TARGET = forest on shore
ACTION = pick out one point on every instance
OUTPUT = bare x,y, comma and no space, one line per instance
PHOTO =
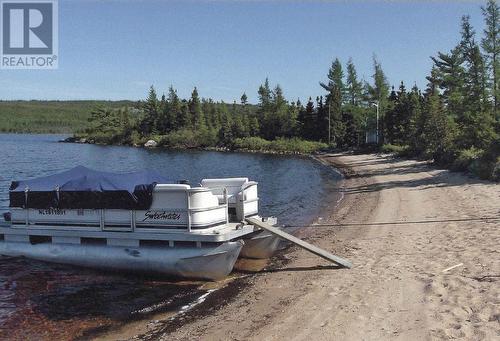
455,120
50,117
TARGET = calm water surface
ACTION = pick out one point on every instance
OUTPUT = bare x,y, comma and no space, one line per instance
46,301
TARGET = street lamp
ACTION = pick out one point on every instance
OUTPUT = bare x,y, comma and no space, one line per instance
376,105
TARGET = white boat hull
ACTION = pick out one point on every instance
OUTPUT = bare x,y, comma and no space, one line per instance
210,263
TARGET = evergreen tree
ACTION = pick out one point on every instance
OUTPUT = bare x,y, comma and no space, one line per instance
403,117
282,122
378,93
476,125
391,117
184,117
244,99
265,110
335,80
253,126
237,127
415,101
309,123
448,74
198,118
151,108
162,123
354,87
321,130
225,133
491,46
173,110
437,129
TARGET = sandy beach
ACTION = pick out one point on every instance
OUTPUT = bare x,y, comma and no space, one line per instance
424,244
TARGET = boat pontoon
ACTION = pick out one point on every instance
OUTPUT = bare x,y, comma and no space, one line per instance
135,222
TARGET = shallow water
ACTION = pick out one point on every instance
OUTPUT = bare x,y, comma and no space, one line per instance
47,301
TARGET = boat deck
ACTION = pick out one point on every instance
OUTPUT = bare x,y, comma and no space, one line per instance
226,233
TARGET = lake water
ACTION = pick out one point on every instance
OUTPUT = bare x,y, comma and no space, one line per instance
47,301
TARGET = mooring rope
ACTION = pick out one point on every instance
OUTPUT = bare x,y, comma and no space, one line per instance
447,220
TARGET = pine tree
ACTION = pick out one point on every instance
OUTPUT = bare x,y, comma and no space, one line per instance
448,74
237,127
321,126
415,101
402,123
225,133
184,117
281,123
335,80
307,120
173,110
391,117
354,87
476,125
475,77
264,111
163,123
437,130
244,99
151,108
196,111
491,46
334,101
379,93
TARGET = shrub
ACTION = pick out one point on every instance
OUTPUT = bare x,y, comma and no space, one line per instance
184,138
495,175
282,145
395,149
251,143
466,158
296,145
136,139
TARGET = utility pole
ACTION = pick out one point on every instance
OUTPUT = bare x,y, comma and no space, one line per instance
376,105
329,121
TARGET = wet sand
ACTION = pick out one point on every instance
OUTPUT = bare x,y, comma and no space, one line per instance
424,244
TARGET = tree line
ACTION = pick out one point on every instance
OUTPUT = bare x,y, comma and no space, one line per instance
453,120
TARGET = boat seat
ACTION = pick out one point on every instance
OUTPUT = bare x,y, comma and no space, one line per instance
232,185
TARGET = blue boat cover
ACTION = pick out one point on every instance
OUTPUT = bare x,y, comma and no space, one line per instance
85,188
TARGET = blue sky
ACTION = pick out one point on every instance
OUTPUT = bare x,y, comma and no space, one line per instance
116,49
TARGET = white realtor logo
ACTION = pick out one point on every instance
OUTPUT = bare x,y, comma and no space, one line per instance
29,34
35,19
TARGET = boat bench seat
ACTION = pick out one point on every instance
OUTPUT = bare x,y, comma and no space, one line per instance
233,186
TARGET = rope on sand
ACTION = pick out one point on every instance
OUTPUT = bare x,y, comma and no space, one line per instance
445,220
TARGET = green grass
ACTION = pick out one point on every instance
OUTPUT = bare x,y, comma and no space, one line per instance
49,116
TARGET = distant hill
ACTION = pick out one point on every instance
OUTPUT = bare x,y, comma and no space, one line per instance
50,116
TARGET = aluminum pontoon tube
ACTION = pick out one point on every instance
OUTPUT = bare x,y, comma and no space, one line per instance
191,262
260,245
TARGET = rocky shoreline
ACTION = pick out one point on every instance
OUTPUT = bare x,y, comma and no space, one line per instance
153,145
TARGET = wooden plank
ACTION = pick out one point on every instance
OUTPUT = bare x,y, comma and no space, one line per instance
309,247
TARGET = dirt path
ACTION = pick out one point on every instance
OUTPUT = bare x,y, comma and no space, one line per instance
403,223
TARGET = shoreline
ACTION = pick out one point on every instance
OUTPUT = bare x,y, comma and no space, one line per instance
418,274
244,278
227,290
77,140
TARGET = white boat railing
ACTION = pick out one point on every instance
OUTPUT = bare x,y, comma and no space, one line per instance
104,222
